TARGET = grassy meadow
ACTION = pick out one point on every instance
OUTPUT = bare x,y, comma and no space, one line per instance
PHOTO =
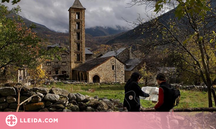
189,99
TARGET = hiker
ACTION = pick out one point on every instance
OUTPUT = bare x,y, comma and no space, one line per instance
132,93
165,103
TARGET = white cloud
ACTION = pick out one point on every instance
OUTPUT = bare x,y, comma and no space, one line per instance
54,13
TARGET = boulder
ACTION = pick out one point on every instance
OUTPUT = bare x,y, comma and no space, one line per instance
52,97
102,106
59,91
48,104
14,106
72,96
23,98
90,109
26,92
58,106
3,99
8,91
41,90
44,110
82,106
75,108
36,99
11,99
9,110
67,110
80,97
34,106
3,106
93,103
63,100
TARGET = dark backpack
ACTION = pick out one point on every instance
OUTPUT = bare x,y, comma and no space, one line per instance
174,95
130,99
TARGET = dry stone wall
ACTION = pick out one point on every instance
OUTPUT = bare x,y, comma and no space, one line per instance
54,100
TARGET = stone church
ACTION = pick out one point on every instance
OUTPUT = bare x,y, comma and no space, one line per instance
77,62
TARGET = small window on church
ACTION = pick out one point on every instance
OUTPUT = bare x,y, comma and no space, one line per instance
78,57
78,36
78,25
56,72
78,46
78,15
113,67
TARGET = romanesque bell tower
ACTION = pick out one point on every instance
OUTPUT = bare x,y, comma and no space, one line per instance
77,35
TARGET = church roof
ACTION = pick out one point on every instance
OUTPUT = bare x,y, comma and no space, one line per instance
91,64
131,64
88,52
113,53
77,4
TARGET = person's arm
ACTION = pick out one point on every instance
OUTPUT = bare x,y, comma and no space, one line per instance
140,92
160,98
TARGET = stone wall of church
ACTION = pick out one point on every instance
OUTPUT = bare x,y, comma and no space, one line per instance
110,71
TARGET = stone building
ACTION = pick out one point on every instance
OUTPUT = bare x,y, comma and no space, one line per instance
132,64
108,69
77,63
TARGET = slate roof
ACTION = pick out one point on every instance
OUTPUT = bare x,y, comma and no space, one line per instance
91,64
88,52
131,64
77,4
112,53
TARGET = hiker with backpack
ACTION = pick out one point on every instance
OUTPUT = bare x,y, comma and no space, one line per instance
132,93
167,95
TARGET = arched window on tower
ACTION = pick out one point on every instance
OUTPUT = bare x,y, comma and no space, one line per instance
78,36
78,25
78,57
78,15
78,46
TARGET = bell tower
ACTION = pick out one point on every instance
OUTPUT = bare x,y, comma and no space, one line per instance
77,35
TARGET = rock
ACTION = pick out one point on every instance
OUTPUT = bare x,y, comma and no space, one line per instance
74,102
34,106
96,97
82,106
41,90
2,100
9,110
75,108
80,97
3,106
67,110
69,106
26,92
63,100
52,97
11,99
14,106
8,91
90,109
110,105
58,106
36,99
44,110
52,109
93,103
102,106
106,100
72,96
48,104
59,91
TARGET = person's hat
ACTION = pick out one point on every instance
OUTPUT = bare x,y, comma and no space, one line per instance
161,77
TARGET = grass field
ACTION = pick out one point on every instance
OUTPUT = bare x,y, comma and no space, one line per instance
189,99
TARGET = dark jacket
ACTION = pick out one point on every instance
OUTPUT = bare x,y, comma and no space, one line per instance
132,93
167,98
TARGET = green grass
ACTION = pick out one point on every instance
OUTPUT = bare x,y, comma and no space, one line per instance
189,99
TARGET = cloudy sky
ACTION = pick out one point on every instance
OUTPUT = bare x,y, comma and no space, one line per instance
54,13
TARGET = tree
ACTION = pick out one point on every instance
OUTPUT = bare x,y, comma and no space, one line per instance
193,38
12,1
194,7
19,45
38,75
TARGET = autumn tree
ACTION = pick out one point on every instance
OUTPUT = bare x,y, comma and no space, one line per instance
19,45
191,36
